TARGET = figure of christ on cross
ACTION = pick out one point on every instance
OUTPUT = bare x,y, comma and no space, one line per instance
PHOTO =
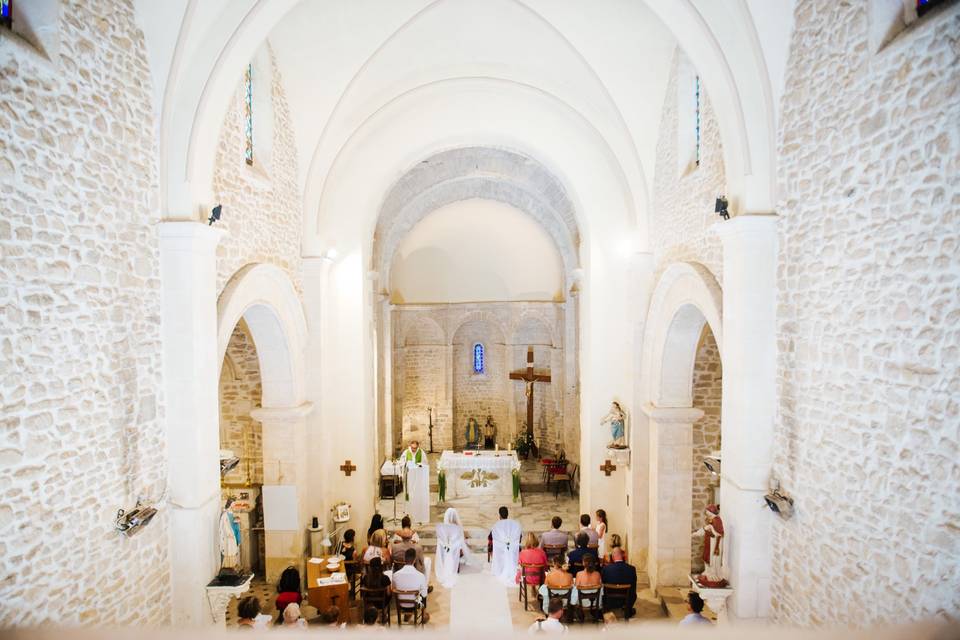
529,376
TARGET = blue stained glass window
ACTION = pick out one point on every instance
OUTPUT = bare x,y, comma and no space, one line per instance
478,363
6,18
697,111
925,5
248,113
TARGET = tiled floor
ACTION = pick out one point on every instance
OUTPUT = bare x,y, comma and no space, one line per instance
534,514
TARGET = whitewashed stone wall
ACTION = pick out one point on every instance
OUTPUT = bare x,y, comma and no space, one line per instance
683,204
80,358
261,205
707,396
869,363
433,367
240,393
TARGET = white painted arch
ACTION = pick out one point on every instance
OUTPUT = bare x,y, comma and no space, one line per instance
264,296
686,297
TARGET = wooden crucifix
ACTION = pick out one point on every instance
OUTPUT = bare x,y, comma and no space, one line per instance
348,467
529,376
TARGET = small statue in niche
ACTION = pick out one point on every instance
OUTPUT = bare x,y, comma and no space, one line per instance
489,434
473,433
618,420
712,532
229,537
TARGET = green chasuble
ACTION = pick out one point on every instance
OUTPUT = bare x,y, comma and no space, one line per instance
410,456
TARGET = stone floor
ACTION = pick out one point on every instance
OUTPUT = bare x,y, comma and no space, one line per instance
534,513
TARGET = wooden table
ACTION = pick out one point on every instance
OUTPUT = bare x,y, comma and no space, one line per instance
324,596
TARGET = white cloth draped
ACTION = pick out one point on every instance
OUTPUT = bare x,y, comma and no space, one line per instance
506,550
450,542
418,492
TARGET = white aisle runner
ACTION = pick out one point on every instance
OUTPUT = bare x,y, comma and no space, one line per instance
479,602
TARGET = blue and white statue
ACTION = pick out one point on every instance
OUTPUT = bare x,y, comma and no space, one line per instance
617,419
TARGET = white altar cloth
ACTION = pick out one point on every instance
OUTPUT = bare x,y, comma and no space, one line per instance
479,475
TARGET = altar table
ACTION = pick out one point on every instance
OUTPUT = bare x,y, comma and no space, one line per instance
479,476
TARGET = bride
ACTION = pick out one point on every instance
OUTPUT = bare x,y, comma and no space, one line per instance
450,546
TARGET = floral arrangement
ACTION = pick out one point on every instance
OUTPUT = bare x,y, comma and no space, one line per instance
441,485
524,444
516,484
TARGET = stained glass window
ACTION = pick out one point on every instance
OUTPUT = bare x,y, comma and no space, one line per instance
248,113
697,111
478,363
925,5
6,19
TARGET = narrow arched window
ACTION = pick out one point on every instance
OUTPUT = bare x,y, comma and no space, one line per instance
478,358
6,18
248,113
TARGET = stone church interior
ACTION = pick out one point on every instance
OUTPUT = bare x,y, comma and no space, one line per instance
481,316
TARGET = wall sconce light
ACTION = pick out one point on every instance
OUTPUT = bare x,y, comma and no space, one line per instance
781,504
228,462
132,522
712,463
214,214
720,207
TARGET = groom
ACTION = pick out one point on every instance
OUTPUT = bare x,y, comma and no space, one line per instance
413,453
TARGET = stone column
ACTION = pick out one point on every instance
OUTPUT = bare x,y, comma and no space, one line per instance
284,485
318,442
188,275
671,492
749,406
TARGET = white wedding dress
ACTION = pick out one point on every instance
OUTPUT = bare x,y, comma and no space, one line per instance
450,542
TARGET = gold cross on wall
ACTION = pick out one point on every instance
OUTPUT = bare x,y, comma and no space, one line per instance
348,467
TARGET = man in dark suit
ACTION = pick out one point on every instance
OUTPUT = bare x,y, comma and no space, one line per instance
619,572
575,557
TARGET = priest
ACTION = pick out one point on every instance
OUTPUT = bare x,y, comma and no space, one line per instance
412,453
416,470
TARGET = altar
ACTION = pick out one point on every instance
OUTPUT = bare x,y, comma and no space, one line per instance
480,476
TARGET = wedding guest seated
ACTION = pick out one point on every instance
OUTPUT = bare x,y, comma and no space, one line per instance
410,579
374,578
576,557
331,618
377,548
615,543
376,524
288,590
557,578
531,554
589,578
398,550
291,617
619,572
552,623
248,610
590,531
695,605
406,531
555,536
347,549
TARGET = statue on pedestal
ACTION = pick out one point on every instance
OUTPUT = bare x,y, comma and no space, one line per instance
472,434
618,420
489,433
712,532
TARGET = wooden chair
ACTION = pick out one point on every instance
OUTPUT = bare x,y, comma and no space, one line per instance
397,565
592,596
545,464
574,568
527,571
615,597
354,572
564,596
564,477
379,599
409,602
553,550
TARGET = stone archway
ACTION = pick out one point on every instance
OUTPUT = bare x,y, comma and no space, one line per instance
686,299
263,296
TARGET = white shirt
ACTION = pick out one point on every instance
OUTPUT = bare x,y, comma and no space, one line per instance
409,579
550,625
693,619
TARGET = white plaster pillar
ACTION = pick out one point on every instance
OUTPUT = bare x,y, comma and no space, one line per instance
671,493
285,465
749,406
638,495
318,443
188,276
